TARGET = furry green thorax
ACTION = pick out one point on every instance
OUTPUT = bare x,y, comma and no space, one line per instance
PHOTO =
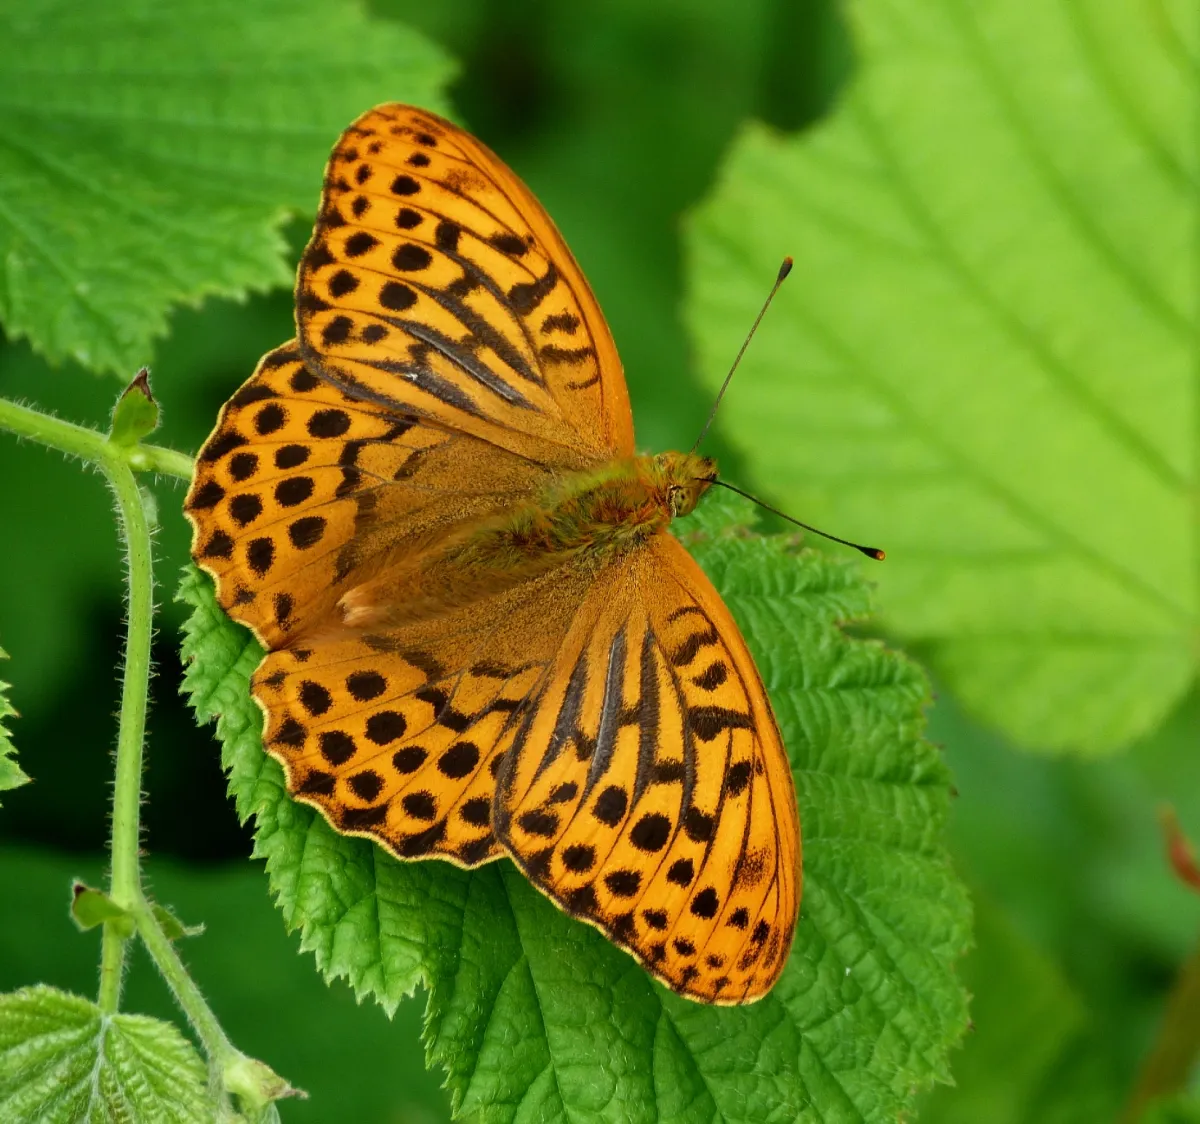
598,512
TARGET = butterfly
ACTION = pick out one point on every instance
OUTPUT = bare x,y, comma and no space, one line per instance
481,639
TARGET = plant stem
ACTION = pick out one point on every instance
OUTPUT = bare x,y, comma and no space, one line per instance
216,1044
231,1071
125,888
1176,1048
91,445
154,458
117,464
112,968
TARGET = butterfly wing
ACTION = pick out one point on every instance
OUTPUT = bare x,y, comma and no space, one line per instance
435,281
399,734
647,790
304,494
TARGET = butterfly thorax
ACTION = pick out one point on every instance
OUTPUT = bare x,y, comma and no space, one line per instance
595,513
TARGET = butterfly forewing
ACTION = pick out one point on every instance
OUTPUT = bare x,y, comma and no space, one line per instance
648,791
435,279
303,494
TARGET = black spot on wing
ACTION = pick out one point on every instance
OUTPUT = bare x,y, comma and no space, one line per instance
686,652
221,445
707,722
570,356
527,295
207,496
508,243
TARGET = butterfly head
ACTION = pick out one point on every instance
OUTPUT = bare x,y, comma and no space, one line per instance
682,479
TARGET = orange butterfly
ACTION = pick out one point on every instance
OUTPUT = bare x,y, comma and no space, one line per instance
481,638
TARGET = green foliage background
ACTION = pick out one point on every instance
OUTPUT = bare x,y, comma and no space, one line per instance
619,115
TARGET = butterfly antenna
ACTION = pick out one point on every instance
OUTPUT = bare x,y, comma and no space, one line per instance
869,551
784,270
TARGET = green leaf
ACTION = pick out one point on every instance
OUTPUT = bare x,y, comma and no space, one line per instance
11,774
90,907
150,153
535,1016
63,1061
1024,1014
1175,1110
985,357
136,413
361,1066
172,927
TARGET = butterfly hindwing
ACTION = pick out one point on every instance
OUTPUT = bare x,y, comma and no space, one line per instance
435,279
648,791
399,734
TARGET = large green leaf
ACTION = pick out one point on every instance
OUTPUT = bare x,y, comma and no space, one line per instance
150,152
63,1061
985,358
1023,1013
535,1017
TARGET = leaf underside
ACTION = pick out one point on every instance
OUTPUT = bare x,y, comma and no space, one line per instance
985,356
62,1061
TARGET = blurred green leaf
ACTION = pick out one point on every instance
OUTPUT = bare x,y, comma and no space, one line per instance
63,1061
1068,854
136,413
530,1011
1023,1013
11,774
985,357
1073,850
155,163
1177,1110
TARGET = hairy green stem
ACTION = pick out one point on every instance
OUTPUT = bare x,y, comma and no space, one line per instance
91,445
125,887
216,1044
231,1071
112,968
117,464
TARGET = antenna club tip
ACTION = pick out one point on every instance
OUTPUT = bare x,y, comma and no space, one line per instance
875,552
784,269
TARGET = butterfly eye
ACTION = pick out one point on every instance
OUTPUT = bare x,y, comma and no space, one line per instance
674,498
